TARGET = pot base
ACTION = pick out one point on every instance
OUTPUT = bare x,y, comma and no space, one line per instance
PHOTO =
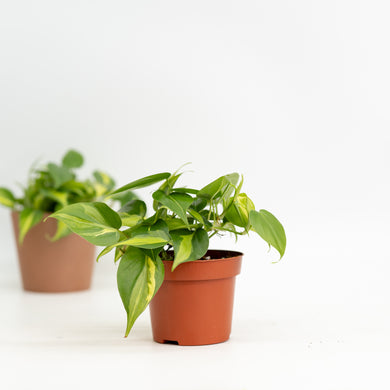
65,265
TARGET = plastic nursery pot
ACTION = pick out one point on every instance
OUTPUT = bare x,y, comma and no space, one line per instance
194,305
61,266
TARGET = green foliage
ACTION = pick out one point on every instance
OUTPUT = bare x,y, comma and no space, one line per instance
189,245
96,222
139,277
54,186
7,197
72,159
27,219
269,229
179,229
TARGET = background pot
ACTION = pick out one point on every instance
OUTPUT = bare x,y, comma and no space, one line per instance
60,266
194,305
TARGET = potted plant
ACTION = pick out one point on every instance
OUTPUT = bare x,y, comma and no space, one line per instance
50,258
165,258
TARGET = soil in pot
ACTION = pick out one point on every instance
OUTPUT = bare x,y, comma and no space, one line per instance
194,305
61,266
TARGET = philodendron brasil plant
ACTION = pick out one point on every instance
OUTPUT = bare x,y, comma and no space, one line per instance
183,221
54,186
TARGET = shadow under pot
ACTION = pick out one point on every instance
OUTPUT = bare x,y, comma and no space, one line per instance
61,266
194,305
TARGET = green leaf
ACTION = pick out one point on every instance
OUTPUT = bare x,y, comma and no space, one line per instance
76,187
27,219
220,187
72,159
104,183
58,196
189,246
144,182
124,197
175,224
104,179
198,204
269,229
94,221
139,277
239,209
200,218
143,236
62,231
137,207
176,202
167,186
129,220
150,240
7,198
185,190
60,175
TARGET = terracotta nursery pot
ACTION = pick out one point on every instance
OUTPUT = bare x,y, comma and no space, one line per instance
194,305
61,266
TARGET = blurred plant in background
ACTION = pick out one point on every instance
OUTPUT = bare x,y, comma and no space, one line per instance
53,186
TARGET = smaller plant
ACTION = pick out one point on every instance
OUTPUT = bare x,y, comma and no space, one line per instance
55,186
179,229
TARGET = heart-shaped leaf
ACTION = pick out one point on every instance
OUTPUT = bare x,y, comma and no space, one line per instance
239,209
189,246
72,159
139,277
269,229
94,221
220,188
176,202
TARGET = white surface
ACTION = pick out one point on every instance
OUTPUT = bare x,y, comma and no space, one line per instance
294,95
75,341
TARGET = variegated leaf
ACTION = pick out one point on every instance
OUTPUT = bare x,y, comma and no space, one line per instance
189,246
95,222
139,277
6,197
27,219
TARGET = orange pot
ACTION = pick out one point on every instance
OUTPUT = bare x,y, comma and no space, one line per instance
194,305
61,266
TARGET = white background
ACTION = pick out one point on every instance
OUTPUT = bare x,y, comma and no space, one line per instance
292,94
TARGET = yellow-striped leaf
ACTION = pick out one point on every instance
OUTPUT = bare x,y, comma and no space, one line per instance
62,231
189,246
239,209
139,277
95,222
27,219
104,183
6,197
150,240
58,196
129,220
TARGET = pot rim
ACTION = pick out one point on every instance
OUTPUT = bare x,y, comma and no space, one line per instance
232,255
212,269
